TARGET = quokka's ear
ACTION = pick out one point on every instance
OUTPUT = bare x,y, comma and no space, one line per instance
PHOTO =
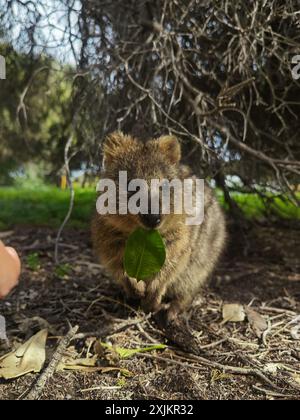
170,148
115,145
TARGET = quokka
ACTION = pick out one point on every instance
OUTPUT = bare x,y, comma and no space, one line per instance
192,251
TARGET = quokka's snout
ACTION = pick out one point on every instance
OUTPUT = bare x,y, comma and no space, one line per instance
151,221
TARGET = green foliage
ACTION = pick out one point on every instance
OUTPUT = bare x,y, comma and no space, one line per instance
34,126
255,207
32,176
46,206
33,261
122,382
63,270
145,254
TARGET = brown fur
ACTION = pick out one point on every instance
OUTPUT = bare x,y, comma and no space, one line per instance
192,251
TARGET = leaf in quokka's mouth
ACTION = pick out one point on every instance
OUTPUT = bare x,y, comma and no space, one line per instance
145,254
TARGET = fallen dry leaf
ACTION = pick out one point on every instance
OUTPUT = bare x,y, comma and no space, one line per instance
68,363
29,357
257,322
87,365
233,313
296,378
35,322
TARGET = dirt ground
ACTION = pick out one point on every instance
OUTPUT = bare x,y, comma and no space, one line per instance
205,358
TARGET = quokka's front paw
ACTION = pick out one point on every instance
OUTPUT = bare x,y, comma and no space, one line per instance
153,305
173,311
168,315
134,289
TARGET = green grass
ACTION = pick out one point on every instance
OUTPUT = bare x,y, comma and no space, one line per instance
47,206
254,207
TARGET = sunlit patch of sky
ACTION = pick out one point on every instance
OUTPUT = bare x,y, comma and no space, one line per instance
217,143
56,30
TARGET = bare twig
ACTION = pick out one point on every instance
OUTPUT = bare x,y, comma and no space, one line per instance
72,198
39,386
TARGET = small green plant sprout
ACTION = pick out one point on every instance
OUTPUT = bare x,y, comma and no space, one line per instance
145,254
63,270
33,261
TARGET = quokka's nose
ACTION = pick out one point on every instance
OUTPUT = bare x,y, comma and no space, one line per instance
150,220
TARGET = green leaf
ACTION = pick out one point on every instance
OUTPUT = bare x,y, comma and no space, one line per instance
145,254
126,353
